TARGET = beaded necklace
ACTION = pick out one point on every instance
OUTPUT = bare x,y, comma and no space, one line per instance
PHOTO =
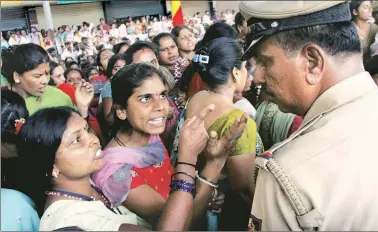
79,197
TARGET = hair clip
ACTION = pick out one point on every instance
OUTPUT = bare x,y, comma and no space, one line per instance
201,59
18,124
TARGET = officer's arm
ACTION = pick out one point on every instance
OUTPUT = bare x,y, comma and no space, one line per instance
271,209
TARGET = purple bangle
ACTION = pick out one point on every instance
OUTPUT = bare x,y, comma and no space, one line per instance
184,173
183,185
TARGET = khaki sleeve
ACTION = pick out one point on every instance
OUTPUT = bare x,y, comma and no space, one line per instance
271,209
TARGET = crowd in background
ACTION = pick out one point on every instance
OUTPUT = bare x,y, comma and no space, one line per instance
114,117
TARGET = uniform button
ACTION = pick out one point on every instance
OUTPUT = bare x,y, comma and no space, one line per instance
162,180
156,187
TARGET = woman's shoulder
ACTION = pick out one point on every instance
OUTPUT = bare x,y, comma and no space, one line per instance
87,215
20,212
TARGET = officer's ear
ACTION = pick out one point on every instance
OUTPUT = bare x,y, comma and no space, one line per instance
314,58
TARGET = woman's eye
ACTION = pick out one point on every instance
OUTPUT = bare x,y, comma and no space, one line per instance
145,99
77,140
163,96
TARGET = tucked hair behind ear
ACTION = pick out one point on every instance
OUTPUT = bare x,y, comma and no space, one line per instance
123,86
40,138
354,5
224,55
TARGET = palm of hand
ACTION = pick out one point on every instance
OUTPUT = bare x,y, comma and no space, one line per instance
84,94
219,148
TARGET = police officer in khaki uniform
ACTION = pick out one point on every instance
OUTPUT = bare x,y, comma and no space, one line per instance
324,176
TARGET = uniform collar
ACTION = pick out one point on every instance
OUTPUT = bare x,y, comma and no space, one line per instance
340,94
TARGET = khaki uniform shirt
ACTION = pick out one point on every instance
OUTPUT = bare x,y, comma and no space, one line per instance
333,165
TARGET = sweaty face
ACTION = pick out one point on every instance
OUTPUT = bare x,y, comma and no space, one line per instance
34,82
74,78
58,76
147,108
282,78
146,56
168,53
79,153
186,40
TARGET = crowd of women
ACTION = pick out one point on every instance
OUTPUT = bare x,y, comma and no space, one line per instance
149,135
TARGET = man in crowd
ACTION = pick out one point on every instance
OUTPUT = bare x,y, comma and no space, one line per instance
241,28
53,54
84,31
91,50
35,36
206,18
69,51
309,62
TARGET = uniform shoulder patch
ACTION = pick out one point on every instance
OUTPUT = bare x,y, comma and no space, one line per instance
254,224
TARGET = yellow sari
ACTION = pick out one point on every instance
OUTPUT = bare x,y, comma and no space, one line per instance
235,211
249,142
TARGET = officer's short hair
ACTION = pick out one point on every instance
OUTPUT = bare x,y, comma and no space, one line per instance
335,38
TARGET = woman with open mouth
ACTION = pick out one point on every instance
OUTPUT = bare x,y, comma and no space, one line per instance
137,172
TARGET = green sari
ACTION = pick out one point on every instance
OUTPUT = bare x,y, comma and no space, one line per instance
50,98
272,124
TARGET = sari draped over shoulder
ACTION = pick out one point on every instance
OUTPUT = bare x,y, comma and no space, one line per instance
114,179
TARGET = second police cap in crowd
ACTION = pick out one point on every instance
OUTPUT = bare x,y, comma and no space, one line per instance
266,18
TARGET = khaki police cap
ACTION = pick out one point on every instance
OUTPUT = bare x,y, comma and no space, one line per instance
266,18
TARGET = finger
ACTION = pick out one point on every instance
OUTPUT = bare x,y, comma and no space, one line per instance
213,139
217,211
79,85
90,87
189,122
237,129
219,197
201,117
217,203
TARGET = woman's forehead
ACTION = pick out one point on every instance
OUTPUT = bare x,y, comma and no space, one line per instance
152,85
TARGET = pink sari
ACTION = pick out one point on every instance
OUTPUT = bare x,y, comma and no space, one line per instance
114,179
